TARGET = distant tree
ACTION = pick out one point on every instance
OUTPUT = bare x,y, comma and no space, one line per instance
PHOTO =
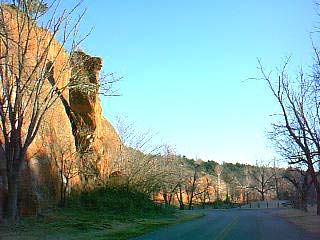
203,194
209,166
179,195
137,159
197,185
25,96
218,171
262,180
236,176
194,183
170,181
191,185
183,175
277,178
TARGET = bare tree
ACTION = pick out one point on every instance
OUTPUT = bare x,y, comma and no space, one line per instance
170,181
138,161
218,171
25,95
179,195
296,134
64,156
203,194
262,177
180,187
187,188
191,188
197,185
191,185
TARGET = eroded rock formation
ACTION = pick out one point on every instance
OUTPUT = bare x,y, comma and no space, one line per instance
73,124
93,133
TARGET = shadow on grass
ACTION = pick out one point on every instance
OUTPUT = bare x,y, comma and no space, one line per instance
102,214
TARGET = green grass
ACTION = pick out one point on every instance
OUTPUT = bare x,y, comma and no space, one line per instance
75,224
105,213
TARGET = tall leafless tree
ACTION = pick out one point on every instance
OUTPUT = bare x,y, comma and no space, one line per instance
296,133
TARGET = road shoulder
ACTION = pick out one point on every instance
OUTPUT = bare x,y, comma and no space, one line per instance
309,221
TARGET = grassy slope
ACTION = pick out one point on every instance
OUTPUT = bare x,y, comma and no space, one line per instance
71,224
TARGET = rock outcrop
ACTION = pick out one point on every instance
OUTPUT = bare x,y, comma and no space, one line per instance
94,134
74,123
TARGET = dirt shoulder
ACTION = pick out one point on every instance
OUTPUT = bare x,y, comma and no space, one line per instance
309,221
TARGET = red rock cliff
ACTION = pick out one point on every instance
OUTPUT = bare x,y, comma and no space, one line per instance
39,174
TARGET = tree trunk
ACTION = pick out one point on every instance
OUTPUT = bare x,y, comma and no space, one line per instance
180,199
164,195
12,202
262,196
61,189
192,189
304,194
63,193
316,184
14,161
171,194
204,200
190,203
318,202
277,188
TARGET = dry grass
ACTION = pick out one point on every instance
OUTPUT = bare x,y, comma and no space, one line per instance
306,220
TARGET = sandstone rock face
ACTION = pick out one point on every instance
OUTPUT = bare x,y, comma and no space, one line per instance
39,178
83,97
94,132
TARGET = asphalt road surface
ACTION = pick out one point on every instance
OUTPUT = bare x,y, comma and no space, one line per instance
235,224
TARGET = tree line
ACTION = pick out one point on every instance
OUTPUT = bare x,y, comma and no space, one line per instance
173,179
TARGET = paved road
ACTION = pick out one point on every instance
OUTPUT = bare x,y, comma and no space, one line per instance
235,224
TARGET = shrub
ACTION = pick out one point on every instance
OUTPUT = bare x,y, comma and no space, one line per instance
115,200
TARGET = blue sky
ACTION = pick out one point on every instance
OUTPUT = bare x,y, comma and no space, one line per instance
186,63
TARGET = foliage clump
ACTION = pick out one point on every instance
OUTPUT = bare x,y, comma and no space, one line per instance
116,200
